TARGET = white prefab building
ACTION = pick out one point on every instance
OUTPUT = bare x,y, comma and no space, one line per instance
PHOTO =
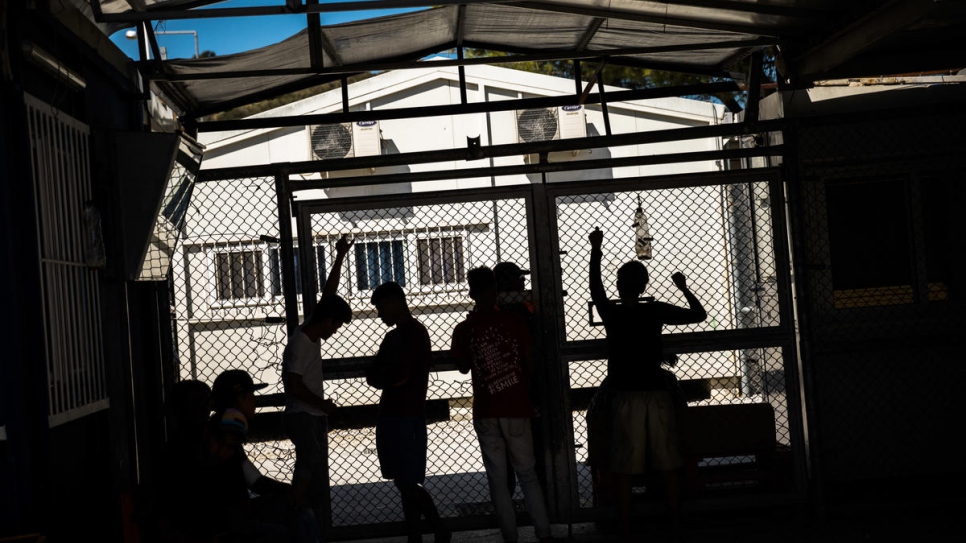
227,274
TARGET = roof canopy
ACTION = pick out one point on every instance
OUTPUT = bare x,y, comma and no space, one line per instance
817,39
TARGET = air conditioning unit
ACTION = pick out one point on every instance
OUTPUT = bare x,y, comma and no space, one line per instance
551,123
344,140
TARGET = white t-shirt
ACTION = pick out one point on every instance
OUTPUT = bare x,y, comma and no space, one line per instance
302,356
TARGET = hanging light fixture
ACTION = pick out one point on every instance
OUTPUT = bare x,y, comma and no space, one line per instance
642,235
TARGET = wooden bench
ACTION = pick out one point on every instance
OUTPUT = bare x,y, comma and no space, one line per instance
729,447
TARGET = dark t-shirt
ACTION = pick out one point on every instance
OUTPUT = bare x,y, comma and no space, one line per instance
495,345
634,347
405,354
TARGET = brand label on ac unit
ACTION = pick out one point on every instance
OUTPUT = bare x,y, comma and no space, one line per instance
571,108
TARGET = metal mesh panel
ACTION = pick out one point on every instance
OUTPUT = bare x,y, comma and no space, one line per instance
228,307
720,237
880,198
427,249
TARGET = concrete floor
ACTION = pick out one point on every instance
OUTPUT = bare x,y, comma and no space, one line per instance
909,520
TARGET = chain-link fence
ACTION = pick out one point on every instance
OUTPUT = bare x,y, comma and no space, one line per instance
722,238
880,198
427,249
230,309
228,306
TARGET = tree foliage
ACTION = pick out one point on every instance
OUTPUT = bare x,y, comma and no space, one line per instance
630,77
627,77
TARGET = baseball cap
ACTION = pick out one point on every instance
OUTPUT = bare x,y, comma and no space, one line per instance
230,384
507,272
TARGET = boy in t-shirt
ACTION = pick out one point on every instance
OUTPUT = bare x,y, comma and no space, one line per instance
306,406
495,346
401,372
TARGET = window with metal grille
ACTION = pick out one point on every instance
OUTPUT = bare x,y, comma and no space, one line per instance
275,270
70,283
869,242
238,275
378,262
440,260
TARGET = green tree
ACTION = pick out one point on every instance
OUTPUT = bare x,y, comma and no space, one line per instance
630,77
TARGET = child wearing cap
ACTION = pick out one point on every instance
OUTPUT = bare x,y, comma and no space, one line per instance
204,491
234,390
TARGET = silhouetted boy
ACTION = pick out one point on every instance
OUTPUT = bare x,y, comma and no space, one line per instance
306,406
495,346
636,403
401,371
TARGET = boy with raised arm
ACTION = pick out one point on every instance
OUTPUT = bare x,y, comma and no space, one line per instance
306,406
635,400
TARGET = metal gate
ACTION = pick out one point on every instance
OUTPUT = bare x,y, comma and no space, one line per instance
233,295
725,231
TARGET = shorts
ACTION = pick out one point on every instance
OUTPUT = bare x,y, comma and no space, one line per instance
401,445
644,433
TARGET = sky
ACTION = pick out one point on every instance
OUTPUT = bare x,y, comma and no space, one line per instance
225,36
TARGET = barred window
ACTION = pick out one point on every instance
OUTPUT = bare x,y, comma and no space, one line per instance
239,275
378,262
440,260
275,270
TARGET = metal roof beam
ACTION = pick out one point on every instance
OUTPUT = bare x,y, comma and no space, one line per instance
592,29
543,167
314,33
493,151
136,5
460,25
852,40
461,109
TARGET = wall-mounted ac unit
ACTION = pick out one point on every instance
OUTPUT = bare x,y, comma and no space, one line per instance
551,123
344,140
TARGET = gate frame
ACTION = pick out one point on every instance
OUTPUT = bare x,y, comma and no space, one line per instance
784,336
562,491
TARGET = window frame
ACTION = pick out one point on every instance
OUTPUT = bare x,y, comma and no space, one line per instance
919,290
215,267
459,261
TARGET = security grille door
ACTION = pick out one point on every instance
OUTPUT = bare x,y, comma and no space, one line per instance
721,230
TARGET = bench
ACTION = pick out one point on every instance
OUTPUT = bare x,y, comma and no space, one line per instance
730,446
